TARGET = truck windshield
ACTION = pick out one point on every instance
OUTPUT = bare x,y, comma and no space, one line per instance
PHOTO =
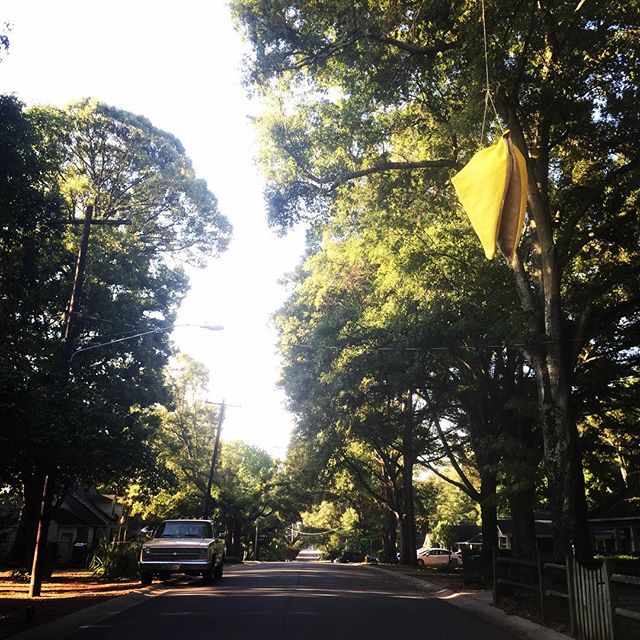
184,530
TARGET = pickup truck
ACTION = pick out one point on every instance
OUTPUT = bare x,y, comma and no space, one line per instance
182,546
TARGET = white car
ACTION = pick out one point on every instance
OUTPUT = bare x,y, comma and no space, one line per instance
182,546
428,557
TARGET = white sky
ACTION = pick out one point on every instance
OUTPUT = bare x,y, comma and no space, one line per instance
179,64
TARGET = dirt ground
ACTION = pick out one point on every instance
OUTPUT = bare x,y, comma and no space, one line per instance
64,593
453,578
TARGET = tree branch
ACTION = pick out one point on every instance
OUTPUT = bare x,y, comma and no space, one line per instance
595,193
527,297
431,51
462,487
332,185
380,499
470,489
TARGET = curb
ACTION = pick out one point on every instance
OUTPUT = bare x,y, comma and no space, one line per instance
480,606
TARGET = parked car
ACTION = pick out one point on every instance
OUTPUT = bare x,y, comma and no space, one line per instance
428,557
349,556
182,546
355,556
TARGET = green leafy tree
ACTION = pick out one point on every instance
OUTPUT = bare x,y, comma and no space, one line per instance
246,484
377,310
183,446
396,91
124,166
452,508
93,426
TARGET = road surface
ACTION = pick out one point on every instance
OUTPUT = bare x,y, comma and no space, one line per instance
293,601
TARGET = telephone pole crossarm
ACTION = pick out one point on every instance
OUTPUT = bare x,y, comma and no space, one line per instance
70,333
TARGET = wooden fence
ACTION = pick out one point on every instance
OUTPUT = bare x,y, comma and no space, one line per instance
591,593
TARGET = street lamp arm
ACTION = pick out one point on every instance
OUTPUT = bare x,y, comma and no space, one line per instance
215,327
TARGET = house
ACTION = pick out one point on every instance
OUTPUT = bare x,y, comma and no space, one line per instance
543,528
615,524
78,524
469,535
84,518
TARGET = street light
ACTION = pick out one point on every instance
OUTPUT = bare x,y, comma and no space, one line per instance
36,570
210,327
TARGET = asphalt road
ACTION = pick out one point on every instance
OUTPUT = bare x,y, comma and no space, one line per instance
293,601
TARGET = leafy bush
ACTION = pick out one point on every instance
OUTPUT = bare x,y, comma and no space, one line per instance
115,560
232,560
445,568
21,574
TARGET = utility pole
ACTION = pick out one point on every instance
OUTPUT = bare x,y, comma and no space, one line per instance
206,506
214,460
70,333
255,544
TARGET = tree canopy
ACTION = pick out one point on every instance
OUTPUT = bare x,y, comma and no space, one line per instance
92,425
371,102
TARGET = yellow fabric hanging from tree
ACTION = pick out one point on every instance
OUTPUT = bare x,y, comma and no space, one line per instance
492,188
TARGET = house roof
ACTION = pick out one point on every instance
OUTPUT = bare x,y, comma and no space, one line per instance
471,533
506,527
623,505
77,510
465,531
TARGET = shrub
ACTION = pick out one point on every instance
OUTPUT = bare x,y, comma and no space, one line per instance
115,560
21,574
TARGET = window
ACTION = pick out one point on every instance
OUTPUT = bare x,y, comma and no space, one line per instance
184,529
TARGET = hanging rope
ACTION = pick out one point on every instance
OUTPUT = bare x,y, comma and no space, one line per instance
487,88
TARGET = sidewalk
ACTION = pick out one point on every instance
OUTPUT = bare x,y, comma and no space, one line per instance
480,605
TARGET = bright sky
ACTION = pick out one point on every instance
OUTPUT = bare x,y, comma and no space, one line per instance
179,64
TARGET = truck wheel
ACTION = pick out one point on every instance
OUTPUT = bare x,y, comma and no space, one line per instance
207,576
146,578
217,571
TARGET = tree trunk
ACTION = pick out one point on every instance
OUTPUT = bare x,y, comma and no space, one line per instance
521,471
521,468
548,352
24,544
563,463
389,537
522,505
233,537
40,556
389,521
489,515
408,520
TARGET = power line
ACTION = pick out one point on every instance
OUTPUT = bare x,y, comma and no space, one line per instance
317,533
466,347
